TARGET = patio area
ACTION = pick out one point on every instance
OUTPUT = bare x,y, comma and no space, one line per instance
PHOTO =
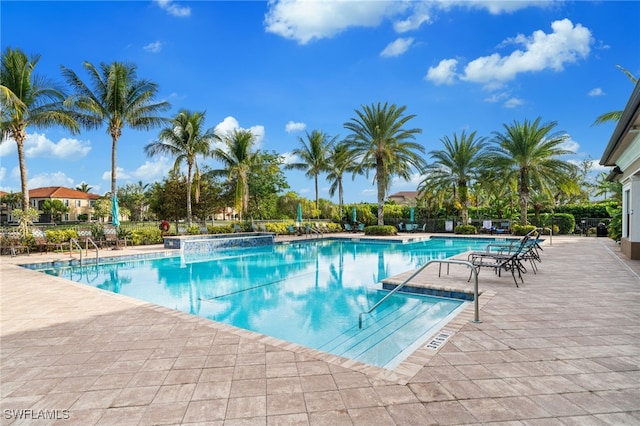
562,349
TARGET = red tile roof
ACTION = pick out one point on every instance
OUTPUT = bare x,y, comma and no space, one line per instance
61,192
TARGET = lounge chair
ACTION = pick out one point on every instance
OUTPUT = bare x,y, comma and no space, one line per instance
237,228
12,243
348,227
361,227
42,243
111,237
292,230
254,227
203,229
503,257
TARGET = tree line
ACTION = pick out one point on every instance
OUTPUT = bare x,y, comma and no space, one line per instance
521,162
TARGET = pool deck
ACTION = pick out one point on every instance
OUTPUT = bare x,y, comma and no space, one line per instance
562,349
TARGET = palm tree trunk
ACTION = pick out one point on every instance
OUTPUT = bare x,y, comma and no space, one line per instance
524,195
316,183
20,137
382,189
340,198
189,166
464,202
114,145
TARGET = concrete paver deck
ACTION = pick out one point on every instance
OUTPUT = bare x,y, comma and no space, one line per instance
563,348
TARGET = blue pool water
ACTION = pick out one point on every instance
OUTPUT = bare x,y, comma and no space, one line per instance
309,293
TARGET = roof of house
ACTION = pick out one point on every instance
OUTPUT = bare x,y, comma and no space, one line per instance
404,194
61,192
624,132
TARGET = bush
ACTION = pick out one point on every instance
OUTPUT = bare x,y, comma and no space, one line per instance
219,229
193,230
465,230
522,229
565,221
145,236
380,230
61,235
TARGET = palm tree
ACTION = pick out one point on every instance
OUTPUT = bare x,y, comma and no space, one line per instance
313,156
119,99
614,115
527,152
237,159
28,99
458,163
84,187
184,139
338,163
379,142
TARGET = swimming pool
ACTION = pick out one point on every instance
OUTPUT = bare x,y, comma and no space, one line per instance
309,293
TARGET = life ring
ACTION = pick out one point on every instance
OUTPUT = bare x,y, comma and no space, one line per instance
164,226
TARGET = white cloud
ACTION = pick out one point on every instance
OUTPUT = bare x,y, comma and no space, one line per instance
121,174
570,145
174,9
596,92
304,21
494,7
50,179
154,47
293,126
420,14
397,47
229,124
154,170
566,44
444,72
38,145
513,103
289,158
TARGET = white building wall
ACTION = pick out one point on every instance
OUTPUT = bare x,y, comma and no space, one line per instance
631,209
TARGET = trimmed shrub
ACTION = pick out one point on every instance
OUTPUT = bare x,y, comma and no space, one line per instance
565,221
219,229
145,236
193,230
522,229
381,230
555,228
465,230
60,236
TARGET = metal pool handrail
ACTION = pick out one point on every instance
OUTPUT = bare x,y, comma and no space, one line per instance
474,271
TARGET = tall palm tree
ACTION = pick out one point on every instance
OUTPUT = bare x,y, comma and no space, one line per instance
614,115
237,159
313,155
118,99
380,142
28,99
185,138
458,163
338,163
528,153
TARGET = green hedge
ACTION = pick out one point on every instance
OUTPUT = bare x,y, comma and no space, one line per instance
522,229
380,230
465,230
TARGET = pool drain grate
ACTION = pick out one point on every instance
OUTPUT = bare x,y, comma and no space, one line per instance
439,340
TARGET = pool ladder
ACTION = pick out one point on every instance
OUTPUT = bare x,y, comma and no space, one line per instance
474,271
75,242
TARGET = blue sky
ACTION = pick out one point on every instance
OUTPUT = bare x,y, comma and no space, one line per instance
284,67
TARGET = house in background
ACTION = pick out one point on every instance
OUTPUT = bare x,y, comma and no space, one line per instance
404,198
623,154
79,203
